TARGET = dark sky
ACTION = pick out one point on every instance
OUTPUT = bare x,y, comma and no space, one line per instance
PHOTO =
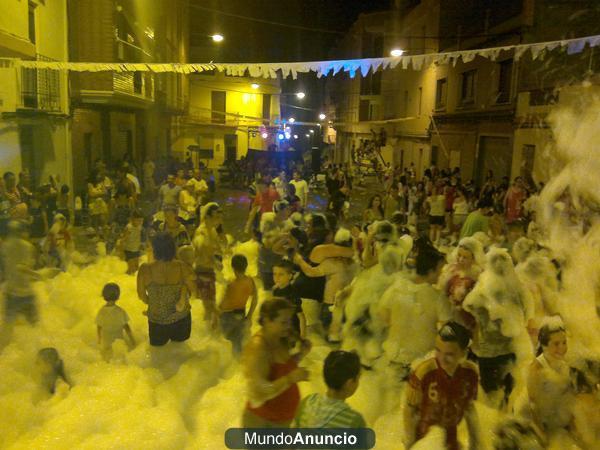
253,41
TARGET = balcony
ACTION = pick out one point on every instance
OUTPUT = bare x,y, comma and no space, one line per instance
40,90
129,89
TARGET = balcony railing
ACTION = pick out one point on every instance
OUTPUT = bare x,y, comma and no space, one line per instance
134,83
40,88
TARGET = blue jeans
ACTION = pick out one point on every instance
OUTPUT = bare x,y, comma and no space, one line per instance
233,327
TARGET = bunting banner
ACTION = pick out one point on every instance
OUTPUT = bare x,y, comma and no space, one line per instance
320,68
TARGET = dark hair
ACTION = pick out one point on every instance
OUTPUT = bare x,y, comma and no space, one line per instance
285,264
546,331
163,246
319,221
455,332
300,235
428,259
339,367
111,292
239,263
64,189
7,175
270,309
485,202
211,209
372,199
50,356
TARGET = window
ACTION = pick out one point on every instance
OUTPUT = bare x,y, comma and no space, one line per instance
440,93
32,22
467,87
364,110
266,107
137,82
218,100
504,81
371,84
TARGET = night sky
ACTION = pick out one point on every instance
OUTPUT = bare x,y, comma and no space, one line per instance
252,41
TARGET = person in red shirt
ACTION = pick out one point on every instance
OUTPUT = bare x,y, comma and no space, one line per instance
442,390
263,202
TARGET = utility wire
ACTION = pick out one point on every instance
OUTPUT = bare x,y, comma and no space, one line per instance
343,33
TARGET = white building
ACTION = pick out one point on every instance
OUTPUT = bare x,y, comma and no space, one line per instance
34,104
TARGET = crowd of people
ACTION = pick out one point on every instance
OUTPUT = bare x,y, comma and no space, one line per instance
442,286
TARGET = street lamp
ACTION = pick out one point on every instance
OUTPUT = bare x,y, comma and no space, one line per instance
300,95
217,37
255,85
396,52
307,135
322,116
311,131
292,120
265,135
295,136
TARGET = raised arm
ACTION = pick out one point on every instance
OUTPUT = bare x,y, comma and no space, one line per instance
321,252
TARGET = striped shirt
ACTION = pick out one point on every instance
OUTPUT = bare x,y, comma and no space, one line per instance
320,411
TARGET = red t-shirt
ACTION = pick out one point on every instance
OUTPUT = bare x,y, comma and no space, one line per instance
440,398
266,200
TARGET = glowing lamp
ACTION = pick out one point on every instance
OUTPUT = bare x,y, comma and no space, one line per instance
280,136
295,136
265,135
396,52
322,116
217,37
292,120
311,131
300,95
255,86
307,135
287,135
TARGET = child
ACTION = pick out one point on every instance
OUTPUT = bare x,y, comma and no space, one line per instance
283,273
233,317
50,370
58,242
131,241
341,372
111,321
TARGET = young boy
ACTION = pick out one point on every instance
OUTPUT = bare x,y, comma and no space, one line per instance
112,321
341,372
283,273
131,241
233,318
442,390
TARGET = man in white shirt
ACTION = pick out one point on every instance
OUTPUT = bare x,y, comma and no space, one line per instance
413,309
200,186
301,187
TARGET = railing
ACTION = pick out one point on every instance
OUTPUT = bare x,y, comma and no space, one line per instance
40,88
134,83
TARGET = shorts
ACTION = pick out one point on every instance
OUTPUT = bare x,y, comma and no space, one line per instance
494,373
178,331
15,305
206,283
233,327
436,220
132,255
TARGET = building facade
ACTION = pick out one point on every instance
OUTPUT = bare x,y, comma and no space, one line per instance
34,104
227,117
395,100
127,116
